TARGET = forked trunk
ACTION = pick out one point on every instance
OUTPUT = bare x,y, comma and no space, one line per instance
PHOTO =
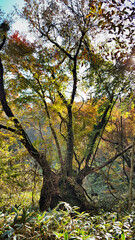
58,188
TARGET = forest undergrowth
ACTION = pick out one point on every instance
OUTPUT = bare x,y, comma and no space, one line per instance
65,222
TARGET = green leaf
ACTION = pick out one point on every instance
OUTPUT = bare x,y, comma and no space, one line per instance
66,236
122,235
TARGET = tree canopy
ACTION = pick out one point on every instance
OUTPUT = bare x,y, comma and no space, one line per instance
68,82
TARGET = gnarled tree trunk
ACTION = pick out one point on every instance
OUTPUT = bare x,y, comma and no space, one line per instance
58,188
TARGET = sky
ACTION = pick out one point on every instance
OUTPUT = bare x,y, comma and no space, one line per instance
8,7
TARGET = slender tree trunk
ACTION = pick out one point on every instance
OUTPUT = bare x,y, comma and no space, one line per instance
131,176
69,158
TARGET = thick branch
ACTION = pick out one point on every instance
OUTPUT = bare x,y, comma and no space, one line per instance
7,128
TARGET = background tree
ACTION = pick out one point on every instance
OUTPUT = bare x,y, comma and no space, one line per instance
48,74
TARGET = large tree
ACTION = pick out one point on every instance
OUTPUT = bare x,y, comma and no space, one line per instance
49,74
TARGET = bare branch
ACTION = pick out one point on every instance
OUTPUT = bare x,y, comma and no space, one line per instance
87,170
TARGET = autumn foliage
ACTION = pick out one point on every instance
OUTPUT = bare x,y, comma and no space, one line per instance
19,45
